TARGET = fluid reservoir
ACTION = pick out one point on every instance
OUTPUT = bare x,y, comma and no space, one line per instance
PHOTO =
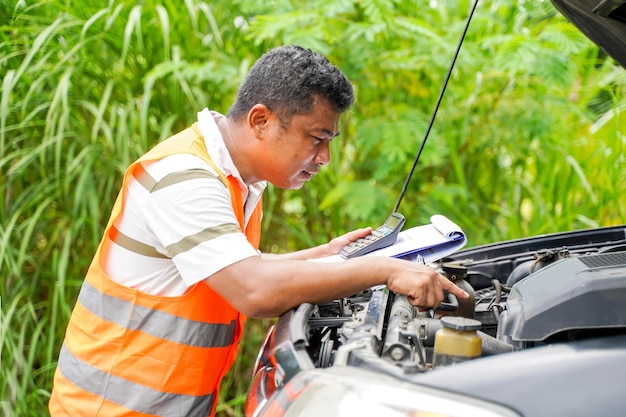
457,341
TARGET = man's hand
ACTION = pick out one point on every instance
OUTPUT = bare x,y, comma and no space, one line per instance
422,285
335,245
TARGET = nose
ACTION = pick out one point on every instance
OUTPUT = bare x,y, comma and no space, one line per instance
323,154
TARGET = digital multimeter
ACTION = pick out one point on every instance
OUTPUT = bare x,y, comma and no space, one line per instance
381,237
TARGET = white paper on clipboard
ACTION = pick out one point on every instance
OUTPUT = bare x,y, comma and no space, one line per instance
434,241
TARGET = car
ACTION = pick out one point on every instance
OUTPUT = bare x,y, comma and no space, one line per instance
542,334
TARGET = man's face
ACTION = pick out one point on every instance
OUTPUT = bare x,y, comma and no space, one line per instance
296,152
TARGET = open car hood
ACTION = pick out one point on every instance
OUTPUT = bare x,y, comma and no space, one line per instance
602,21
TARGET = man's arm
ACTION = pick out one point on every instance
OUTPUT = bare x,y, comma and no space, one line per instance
331,248
267,288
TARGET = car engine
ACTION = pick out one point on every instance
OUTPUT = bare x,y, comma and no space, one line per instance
523,293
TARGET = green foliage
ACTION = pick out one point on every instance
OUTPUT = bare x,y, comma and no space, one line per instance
525,90
528,139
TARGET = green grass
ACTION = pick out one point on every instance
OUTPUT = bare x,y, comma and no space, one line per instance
529,138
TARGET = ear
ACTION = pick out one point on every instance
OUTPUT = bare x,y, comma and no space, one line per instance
259,120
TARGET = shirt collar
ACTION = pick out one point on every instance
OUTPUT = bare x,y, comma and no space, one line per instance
214,142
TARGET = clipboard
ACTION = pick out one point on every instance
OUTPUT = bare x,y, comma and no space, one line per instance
434,241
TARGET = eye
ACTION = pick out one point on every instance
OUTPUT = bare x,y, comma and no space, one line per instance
319,139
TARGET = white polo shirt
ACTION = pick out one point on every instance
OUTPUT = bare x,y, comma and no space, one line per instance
183,218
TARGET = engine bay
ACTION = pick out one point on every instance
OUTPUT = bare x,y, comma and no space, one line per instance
523,293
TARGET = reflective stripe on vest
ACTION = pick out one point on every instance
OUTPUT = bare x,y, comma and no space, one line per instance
143,399
155,322
127,353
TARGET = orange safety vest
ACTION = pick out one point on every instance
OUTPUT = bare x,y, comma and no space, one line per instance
127,353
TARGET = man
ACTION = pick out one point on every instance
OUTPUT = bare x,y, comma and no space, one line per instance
162,309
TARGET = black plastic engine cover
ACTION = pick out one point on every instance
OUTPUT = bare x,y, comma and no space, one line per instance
584,292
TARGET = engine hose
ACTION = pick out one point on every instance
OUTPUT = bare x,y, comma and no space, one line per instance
492,346
495,307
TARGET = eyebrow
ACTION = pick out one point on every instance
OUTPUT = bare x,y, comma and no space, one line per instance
330,133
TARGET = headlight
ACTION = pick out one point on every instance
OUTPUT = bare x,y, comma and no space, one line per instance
263,378
278,362
349,392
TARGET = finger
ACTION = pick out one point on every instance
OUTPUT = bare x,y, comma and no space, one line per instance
437,294
353,235
359,233
429,296
449,286
339,242
435,289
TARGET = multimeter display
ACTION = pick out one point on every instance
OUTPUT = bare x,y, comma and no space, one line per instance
394,221
381,237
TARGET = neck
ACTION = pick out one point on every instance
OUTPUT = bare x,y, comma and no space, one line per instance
233,139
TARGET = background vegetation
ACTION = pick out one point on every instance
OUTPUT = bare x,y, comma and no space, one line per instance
529,138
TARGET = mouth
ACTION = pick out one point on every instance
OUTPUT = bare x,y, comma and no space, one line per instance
309,174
